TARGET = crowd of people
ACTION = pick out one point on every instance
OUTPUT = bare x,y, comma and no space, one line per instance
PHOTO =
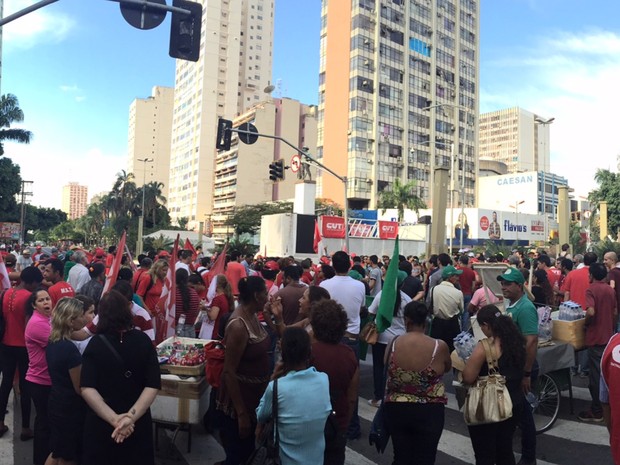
86,359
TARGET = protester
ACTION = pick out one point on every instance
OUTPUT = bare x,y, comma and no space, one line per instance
338,361
246,371
54,274
290,294
119,381
13,348
66,407
415,396
24,260
39,309
94,287
303,402
78,274
222,304
541,289
492,442
446,303
235,271
187,305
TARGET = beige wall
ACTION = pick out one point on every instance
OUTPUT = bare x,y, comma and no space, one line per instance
74,200
150,129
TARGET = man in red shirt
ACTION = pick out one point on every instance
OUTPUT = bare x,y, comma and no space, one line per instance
234,272
610,393
578,281
601,312
467,282
53,273
544,263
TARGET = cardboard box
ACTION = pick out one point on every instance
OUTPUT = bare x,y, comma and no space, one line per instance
183,388
573,332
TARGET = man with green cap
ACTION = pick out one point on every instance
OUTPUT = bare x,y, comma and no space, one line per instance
524,314
446,302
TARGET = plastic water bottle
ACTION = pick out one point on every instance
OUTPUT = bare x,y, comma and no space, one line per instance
180,325
532,399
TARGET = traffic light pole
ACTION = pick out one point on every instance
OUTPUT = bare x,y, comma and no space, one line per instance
314,162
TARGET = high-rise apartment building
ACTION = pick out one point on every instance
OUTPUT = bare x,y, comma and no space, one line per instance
233,70
398,95
242,173
74,200
150,130
516,137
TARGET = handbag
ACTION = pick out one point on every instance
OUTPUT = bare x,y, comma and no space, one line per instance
268,450
369,333
488,399
214,366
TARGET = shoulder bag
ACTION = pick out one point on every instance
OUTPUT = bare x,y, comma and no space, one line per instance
268,450
369,333
488,400
379,434
215,352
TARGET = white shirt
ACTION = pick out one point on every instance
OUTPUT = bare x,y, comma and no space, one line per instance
78,276
349,293
185,266
397,327
447,300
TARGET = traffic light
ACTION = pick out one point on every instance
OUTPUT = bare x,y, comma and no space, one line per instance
185,31
276,170
224,134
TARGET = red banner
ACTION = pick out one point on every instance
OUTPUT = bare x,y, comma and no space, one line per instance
332,226
388,229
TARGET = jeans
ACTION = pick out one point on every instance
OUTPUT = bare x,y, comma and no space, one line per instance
527,425
492,443
378,367
237,450
355,430
41,444
14,358
595,353
415,430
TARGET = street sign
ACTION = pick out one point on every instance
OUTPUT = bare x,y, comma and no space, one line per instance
248,138
141,16
295,163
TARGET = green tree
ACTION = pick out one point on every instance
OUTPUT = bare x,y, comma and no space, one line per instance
327,207
246,219
400,196
10,185
10,113
608,190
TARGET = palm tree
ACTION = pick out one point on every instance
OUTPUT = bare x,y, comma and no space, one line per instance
153,199
11,113
400,196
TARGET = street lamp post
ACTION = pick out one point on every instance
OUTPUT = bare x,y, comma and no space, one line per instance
516,207
141,218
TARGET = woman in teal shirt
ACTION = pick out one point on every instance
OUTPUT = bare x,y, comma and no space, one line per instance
303,402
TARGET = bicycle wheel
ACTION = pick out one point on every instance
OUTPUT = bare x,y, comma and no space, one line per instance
547,405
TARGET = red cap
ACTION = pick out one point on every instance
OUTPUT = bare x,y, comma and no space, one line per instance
271,266
99,252
163,253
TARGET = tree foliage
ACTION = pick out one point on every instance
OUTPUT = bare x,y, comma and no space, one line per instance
10,113
400,196
10,186
608,190
246,219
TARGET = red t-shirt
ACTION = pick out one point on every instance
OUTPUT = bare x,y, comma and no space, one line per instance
466,280
220,301
600,327
610,371
136,278
13,309
192,309
234,272
59,290
307,278
576,283
150,297
553,275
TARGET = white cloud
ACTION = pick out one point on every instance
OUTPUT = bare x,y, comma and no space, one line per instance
572,77
44,25
70,89
51,170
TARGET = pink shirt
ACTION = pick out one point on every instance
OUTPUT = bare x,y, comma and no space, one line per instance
38,332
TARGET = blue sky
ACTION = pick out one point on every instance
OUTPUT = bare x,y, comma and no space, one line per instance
77,65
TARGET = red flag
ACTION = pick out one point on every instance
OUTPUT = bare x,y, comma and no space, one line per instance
188,246
165,308
317,237
5,282
217,268
110,278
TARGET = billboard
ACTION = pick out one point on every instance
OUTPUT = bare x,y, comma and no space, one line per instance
505,191
9,231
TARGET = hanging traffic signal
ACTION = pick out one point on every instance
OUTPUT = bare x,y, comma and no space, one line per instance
276,170
224,134
185,31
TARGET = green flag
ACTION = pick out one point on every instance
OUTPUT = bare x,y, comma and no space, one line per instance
388,293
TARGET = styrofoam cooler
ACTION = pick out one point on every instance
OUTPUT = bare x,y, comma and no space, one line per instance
181,401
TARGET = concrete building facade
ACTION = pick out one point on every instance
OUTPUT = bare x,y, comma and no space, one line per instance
74,200
242,173
516,137
150,129
233,70
398,95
